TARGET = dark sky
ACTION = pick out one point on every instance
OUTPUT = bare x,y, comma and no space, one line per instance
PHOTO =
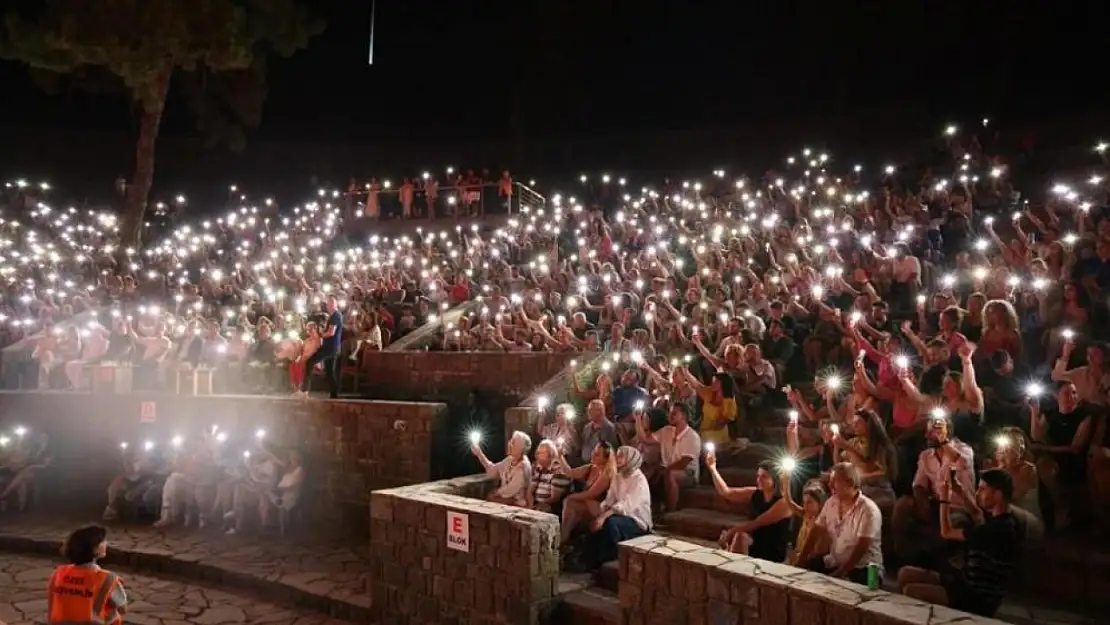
452,68
496,70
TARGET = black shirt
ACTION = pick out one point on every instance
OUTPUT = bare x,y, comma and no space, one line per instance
989,562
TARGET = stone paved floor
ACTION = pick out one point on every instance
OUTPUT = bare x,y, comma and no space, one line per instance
153,601
333,568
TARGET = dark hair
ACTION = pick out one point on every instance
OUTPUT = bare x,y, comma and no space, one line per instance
772,469
683,408
82,546
728,390
1000,481
999,359
879,446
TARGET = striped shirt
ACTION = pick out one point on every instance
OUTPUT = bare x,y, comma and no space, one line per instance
547,482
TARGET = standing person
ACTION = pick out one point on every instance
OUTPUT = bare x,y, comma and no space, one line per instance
328,353
81,591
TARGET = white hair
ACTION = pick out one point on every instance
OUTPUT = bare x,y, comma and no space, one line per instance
522,438
550,446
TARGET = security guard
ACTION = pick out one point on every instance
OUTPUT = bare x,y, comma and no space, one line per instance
82,593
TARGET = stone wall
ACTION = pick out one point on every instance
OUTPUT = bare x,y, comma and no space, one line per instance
350,446
507,378
669,581
509,573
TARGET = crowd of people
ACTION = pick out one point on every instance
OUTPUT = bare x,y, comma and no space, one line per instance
928,335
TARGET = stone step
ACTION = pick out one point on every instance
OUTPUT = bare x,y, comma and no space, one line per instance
590,606
701,523
733,476
608,577
706,497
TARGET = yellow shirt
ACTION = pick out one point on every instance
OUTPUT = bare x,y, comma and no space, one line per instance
715,419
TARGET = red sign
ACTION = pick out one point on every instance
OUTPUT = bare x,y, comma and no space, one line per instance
147,412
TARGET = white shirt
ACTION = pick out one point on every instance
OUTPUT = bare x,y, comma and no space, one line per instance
847,526
674,446
516,479
906,267
630,496
932,471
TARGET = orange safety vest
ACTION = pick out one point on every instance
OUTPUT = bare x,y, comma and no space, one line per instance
79,596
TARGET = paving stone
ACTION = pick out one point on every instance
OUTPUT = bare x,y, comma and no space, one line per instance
23,600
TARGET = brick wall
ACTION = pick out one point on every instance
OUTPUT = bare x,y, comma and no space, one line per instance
670,581
350,446
509,575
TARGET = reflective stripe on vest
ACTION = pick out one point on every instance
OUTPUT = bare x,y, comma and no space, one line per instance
65,607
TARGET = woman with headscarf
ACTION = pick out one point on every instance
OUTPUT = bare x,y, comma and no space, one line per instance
626,511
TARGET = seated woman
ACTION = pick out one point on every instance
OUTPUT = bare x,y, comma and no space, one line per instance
872,452
562,430
1010,456
549,482
287,493
515,470
765,536
258,477
626,511
814,497
585,505
312,342
718,408
1060,437
140,470
17,474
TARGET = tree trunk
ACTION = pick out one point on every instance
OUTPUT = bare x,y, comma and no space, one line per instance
134,209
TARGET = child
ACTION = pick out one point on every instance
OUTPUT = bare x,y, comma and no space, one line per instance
81,591
813,499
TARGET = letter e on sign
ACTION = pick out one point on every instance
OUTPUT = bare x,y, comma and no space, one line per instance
147,412
458,531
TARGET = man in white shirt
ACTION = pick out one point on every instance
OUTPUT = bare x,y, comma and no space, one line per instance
854,526
680,448
915,518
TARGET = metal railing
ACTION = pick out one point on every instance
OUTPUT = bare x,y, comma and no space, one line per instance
460,202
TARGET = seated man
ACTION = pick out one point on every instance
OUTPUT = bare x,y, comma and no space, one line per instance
515,470
990,545
679,446
915,518
852,525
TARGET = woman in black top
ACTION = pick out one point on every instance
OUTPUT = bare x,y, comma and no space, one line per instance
1060,437
765,536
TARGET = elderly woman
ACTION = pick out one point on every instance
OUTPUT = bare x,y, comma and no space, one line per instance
562,430
549,482
626,511
514,470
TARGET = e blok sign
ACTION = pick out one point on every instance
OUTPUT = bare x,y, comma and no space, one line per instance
458,531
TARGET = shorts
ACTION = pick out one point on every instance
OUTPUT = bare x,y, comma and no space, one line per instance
686,478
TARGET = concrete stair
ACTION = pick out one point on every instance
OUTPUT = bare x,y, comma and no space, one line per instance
700,523
590,606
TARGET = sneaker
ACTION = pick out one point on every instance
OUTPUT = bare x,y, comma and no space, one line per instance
110,514
230,532
162,523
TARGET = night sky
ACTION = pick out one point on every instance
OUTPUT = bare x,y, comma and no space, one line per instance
498,69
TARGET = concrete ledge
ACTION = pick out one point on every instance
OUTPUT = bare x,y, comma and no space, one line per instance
265,577
663,578
508,571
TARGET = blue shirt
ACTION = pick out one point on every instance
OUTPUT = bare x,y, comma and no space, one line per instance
335,320
625,398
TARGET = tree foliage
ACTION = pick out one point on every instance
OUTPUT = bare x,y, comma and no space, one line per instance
217,50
